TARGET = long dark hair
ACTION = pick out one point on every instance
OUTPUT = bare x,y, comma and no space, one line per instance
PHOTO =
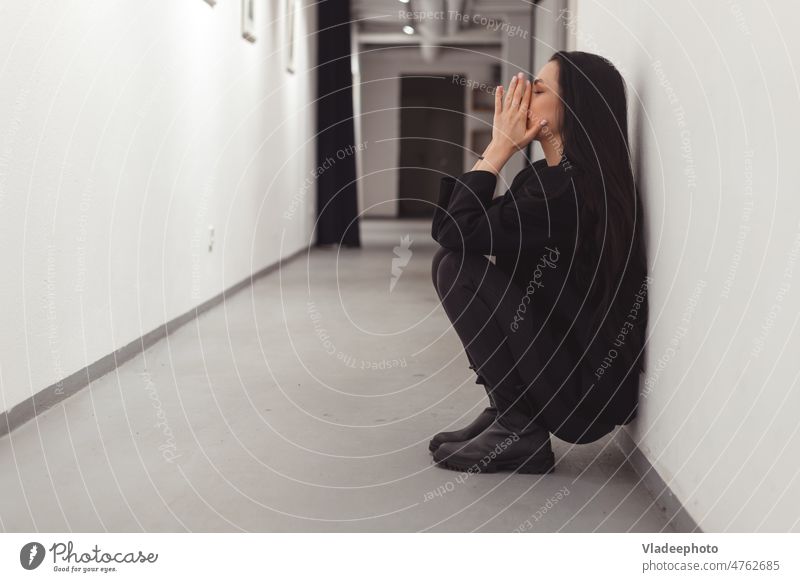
613,259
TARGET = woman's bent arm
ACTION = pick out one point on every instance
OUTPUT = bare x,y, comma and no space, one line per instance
474,222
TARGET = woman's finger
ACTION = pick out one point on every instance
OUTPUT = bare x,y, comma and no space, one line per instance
536,127
526,97
510,94
519,89
498,99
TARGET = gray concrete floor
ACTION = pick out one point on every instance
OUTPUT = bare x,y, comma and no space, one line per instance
273,412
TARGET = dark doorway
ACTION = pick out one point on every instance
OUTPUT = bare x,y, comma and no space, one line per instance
431,139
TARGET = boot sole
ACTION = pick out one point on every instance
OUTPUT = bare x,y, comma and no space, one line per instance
528,467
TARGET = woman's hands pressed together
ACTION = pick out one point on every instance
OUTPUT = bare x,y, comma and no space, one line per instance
514,125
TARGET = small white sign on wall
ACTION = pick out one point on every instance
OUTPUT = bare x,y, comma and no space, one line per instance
248,20
288,33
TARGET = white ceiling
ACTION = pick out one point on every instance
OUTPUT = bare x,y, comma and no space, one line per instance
378,21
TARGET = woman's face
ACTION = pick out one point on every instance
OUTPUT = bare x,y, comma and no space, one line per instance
545,100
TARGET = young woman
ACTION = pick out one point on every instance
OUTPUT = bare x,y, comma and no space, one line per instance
555,327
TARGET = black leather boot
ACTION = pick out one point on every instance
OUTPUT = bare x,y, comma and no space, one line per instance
499,448
476,427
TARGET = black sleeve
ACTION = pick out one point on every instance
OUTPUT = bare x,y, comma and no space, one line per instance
473,222
445,191
446,185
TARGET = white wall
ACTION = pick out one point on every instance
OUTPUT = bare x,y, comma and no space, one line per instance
713,91
126,129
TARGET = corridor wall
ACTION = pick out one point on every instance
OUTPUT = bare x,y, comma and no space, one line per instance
128,131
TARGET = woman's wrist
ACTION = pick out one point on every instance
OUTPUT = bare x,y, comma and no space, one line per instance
495,156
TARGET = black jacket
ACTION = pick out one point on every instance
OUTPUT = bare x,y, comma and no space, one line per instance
572,377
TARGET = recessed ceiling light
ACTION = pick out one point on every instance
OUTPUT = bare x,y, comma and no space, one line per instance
404,1
408,29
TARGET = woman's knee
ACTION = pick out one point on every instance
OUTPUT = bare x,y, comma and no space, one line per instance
438,257
450,267
462,268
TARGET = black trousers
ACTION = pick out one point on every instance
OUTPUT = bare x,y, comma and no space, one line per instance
480,300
